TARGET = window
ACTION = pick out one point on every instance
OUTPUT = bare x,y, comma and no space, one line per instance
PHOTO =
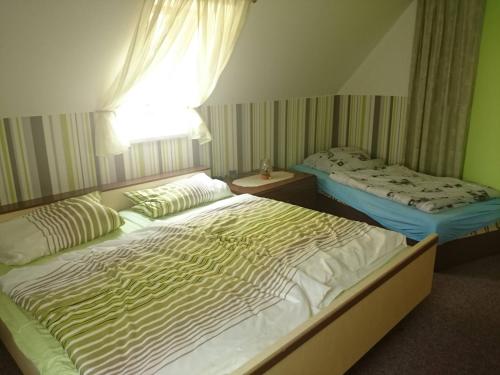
157,106
175,58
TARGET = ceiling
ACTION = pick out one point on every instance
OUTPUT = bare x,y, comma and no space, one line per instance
60,56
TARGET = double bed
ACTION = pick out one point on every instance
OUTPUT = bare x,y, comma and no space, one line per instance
255,286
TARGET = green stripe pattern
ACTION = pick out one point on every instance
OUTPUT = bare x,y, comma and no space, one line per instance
287,131
46,155
140,306
74,221
171,198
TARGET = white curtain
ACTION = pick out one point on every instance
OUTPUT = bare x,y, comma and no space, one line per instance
177,53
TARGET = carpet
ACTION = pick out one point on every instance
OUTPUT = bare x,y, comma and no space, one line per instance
456,330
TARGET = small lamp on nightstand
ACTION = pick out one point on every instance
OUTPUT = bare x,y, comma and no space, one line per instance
265,169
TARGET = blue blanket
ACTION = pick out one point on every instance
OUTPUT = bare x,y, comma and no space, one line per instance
415,224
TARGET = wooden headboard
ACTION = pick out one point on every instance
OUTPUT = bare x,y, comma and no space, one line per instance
112,194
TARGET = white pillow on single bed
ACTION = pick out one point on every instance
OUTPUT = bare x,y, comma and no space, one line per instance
55,227
340,159
178,196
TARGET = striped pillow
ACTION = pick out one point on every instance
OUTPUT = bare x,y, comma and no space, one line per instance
178,196
74,221
55,227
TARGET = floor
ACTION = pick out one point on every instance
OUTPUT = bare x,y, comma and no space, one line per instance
456,330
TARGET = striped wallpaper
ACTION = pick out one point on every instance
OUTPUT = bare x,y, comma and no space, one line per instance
46,155
286,131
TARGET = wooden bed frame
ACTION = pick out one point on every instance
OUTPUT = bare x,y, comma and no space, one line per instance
332,340
449,254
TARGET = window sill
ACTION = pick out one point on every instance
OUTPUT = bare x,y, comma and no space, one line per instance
160,138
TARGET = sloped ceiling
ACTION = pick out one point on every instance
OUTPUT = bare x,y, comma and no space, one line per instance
60,56
297,48
386,69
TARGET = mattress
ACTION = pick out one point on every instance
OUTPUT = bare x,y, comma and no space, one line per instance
415,224
230,349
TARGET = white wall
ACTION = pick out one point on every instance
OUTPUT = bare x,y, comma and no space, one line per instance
386,70
298,48
58,56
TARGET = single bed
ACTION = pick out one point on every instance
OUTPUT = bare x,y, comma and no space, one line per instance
382,281
464,233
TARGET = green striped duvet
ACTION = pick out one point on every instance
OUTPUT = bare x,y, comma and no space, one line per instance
139,306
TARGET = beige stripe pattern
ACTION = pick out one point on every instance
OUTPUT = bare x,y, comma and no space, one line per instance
138,307
46,155
74,221
287,131
170,198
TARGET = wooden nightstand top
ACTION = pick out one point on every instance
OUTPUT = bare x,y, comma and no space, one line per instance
263,190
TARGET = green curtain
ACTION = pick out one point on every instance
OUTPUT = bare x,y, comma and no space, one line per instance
445,57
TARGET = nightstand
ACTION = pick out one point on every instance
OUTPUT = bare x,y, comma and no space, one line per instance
299,190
